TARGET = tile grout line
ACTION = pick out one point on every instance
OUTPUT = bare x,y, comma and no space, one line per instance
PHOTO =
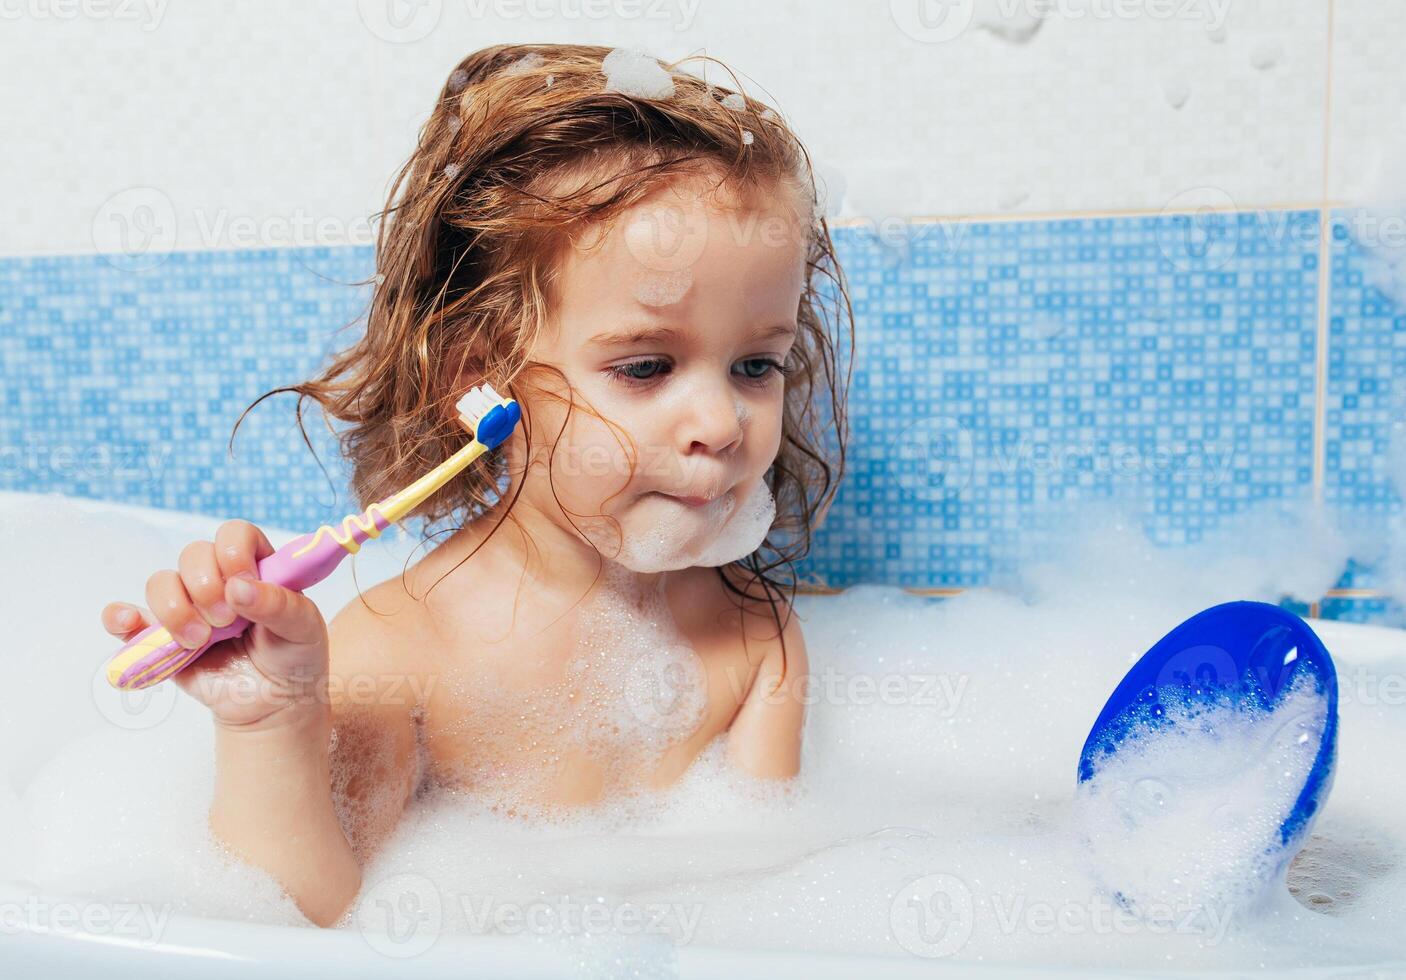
953,591
834,223
1325,281
977,217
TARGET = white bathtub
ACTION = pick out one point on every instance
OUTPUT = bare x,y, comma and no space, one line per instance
33,945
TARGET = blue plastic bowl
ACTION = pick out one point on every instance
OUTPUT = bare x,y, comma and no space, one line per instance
1248,651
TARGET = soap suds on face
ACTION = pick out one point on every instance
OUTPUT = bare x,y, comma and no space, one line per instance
677,536
663,288
746,531
743,410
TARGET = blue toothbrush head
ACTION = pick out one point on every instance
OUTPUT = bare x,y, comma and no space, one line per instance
488,415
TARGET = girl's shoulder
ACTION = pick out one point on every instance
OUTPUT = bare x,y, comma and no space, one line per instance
732,608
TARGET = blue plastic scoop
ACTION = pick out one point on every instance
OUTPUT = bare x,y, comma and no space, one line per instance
1242,654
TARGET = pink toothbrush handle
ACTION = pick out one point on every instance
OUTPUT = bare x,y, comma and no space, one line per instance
153,655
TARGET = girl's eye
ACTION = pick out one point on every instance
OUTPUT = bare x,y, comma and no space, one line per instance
761,368
755,370
636,372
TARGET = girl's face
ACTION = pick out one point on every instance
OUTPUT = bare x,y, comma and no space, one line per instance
673,326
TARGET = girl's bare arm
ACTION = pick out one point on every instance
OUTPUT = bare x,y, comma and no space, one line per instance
273,808
305,807
765,737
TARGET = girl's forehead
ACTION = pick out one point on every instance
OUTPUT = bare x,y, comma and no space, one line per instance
681,258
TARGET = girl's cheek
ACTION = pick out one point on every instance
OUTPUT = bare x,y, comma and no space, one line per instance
593,461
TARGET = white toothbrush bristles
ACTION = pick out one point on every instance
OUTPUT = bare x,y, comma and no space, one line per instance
477,403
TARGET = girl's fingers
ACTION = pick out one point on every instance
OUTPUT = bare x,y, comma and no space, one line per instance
124,620
239,546
205,583
288,615
166,595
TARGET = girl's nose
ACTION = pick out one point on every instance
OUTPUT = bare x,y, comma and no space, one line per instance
710,420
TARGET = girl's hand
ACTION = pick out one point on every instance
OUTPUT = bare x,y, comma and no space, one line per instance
276,671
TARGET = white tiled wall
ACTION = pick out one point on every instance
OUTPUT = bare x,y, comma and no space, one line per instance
236,124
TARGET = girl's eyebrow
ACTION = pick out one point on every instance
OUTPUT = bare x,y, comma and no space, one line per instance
640,335
633,335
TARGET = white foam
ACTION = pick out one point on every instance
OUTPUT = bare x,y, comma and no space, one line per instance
528,62
663,288
745,532
678,536
635,73
631,687
1186,816
938,768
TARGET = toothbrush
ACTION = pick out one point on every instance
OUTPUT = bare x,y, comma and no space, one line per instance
153,655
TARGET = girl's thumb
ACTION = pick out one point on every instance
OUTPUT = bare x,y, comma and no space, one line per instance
288,615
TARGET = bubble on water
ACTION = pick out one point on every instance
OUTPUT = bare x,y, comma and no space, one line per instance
1176,88
1266,54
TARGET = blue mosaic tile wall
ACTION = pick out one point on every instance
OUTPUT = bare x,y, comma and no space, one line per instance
1006,372
125,384
1011,369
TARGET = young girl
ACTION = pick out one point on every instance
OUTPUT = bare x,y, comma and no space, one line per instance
635,256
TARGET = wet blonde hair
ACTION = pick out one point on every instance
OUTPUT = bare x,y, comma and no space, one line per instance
524,150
